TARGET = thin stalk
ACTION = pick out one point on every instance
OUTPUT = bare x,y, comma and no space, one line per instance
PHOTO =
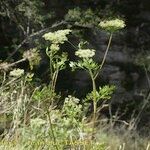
17,62
110,113
52,130
51,67
105,55
72,45
94,102
94,117
14,63
55,79
4,78
148,146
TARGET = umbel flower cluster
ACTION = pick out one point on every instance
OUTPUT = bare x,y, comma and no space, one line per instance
86,61
4,66
16,72
33,56
112,25
57,37
85,53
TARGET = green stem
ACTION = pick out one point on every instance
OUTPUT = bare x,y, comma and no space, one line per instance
105,55
94,117
51,68
94,102
54,79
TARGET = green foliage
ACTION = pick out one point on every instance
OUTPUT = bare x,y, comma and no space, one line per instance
83,17
86,64
67,125
104,93
59,61
44,95
26,10
31,10
143,60
70,123
71,107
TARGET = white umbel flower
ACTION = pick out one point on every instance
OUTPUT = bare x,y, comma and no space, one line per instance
54,47
112,25
57,37
85,53
16,72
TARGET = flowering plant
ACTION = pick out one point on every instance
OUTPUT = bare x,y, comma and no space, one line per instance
16,72
57,37
112,25
33,57
85,53
57,61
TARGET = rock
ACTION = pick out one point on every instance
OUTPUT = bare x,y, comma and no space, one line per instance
144,16
116,56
